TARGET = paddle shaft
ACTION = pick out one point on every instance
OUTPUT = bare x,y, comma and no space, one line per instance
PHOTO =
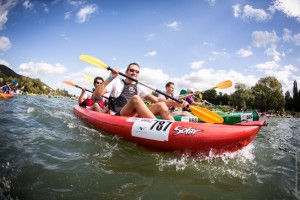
81,88
151,88
88,90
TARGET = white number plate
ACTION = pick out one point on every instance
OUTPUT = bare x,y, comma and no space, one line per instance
152,129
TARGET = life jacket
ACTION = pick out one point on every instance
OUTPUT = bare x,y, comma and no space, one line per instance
89,102
6,89
117,103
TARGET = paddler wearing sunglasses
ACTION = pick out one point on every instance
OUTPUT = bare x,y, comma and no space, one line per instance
126,97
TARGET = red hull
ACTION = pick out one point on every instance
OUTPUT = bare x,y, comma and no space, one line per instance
174,135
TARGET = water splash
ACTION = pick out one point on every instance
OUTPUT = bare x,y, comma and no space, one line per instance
235,165
30,110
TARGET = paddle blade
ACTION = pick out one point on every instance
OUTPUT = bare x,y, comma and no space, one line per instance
69,83
224,84
94,61
89,79
200,95
15,83
206,115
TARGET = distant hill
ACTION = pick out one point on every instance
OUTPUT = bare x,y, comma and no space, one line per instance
11,73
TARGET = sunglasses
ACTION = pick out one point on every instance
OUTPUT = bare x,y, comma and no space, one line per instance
98,82
134,70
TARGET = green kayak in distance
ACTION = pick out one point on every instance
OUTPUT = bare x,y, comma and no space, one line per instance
229,118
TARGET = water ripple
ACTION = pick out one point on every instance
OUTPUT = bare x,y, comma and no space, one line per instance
48,153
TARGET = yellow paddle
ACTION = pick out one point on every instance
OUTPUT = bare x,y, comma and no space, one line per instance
89,79
203,113
72,84
221,85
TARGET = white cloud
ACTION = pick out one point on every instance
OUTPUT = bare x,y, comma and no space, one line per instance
257,14
174,25
236,10
207,78
269,65
5,43
272,51
291,8
248,12
285,76
4,10
264,38
27,4
197,64
67,15
158,81
32,68
4,62
3,18
85,12
289,37
202,79
244,53
152,53
290,68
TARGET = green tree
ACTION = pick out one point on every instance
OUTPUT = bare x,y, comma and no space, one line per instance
288,101
296,98
210,96
27,83
268,94
222,99
242,97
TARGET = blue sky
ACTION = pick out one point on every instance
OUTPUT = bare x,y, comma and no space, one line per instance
194,43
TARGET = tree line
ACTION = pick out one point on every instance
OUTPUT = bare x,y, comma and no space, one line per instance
36,86
265,96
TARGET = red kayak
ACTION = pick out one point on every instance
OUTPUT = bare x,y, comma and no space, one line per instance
6,96
165,135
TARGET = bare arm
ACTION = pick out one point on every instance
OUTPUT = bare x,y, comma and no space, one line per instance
80,99
100,90
153,99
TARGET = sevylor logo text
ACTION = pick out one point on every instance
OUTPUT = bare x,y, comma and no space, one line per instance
186,131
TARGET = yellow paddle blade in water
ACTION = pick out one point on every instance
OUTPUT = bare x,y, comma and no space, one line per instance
94,61
206,115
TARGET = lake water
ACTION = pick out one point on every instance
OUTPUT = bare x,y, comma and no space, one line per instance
46,152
